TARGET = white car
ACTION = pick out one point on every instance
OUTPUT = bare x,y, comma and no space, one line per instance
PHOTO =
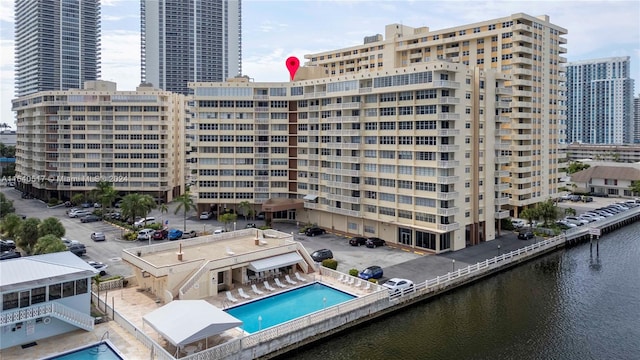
397,286
218,231
144,221
575,219
101,267
79,213
206,215
145,234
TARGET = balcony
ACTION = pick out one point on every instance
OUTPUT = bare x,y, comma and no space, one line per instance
448,148
448,116
447,179
503,132
345,212
502,146
445,84
447,164
341,145
261,143
522,93
349,159
522,38
504,91
261,189
447,211
314,156
343,172
502,214
522,60
448,132
343,185
261,109
502,187
343,198
261,155
447,195
503,160
310,205
448,227
341,133
502,173
448,100
502,119
502,200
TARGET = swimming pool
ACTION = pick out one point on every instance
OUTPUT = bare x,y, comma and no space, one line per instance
283,307
103,350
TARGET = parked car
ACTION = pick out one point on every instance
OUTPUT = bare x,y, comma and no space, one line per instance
145,234
260,216
68,242
77,248
90,218
374,242
321,254
142,222
372,272
218,231
101,267
396,286
576,198
575,218
5,255
526,235
565,225
587,199
7,245
86,205
313,231
115,216
98,236
206,215
518,223
357,241
189,234
251,225
79,213
160,234
174,234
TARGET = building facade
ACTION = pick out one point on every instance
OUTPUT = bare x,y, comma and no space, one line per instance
426,139
57,44
191,40
52,298
70,140
614,153
636,119
606,179
600,101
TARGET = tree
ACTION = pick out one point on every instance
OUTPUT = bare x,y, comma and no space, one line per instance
575,166
6,205
106,194
547,211
530,214
163,210
77,199
635,187
28,234
49,244
570,211
11,225
134,205
227,218
51,226
185,203
246,209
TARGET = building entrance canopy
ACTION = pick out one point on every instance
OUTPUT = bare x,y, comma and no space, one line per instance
275,262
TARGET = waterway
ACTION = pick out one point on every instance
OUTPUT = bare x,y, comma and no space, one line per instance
566,305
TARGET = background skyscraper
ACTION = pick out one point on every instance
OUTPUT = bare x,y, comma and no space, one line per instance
600,101
189,40
57,44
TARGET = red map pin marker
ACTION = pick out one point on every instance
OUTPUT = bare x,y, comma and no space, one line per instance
292,65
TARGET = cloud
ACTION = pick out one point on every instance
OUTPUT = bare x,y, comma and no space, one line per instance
115,18
6,12
269,26
121,58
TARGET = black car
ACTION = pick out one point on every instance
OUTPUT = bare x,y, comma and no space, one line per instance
251,226
321,254
7,245
313,231
526,235
9,255
374,242
78,249
90,218
357,241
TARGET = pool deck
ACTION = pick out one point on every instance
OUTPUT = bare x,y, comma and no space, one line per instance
133,304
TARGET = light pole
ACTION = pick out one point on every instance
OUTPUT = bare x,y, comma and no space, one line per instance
453,265
259,322
499,250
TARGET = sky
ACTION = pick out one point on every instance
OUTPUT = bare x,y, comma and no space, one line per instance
274,30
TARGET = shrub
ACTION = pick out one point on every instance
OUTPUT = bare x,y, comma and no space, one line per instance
354,272
154,226
54,201
131,236
265,227
330,263
375,281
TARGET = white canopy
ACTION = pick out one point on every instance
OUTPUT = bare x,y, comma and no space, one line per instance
183,322
310,197
275,262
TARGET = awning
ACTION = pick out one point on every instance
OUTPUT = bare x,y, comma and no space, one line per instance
275,262
183,322
310,197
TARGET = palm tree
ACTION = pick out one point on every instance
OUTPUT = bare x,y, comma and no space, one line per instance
547,211
163,210
530,214
134,205
106,194
185,202
245,208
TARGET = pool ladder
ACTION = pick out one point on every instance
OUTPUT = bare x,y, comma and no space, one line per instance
105,336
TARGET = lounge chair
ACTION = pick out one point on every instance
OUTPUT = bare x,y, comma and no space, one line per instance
279,283
368,286
352,280
268,286
229,251
300,277
341,278
347,278
231,298
255,290
288,279
243,294
358,283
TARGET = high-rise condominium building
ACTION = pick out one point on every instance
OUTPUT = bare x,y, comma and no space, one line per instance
70,140
636,119
600,101
426,139
57,44
190,40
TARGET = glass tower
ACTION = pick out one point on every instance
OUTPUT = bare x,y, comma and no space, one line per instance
57,44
